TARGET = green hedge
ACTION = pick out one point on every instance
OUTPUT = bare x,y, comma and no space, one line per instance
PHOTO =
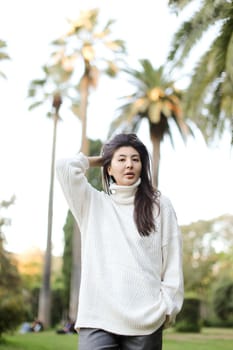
188,320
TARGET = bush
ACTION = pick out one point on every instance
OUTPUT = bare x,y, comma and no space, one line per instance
223,302
12,312
188,319
58,306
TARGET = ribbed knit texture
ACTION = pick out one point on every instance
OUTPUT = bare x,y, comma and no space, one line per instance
129,282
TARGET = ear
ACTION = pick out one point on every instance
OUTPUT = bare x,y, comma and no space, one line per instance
109,170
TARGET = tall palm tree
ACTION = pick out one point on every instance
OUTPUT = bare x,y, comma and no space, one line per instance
93,51
209,97
3,55
50,89
155,99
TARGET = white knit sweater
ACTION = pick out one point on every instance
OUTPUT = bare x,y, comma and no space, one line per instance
129,282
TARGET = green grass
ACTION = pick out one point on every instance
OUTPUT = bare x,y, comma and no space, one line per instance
47,340
208,339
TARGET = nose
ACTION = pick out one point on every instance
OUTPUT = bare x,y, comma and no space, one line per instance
129,164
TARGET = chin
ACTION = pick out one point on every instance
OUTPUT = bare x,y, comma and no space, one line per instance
131,182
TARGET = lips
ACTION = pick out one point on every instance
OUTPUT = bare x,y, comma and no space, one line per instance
129,174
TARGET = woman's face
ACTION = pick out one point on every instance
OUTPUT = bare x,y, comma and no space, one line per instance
125,166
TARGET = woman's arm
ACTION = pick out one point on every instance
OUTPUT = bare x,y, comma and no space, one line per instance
76,189
95,161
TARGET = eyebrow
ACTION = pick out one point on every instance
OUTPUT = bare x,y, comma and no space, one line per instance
132,155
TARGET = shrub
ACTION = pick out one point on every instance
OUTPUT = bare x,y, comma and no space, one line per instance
11,311
223,301
188,319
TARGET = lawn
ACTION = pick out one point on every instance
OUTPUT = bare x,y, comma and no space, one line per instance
208,339
47,340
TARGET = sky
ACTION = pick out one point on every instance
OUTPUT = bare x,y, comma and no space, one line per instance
196,178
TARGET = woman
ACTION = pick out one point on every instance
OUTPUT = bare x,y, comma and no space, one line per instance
132,281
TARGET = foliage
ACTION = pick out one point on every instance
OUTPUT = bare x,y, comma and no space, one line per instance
85,50
206,253
223,301
188,320
50,88
12,310
209,97
156,99
58,306
88,50
3,55
94,175
11,301
67,256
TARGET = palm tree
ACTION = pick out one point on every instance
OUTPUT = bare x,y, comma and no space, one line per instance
50,89
155,99
209,97
3,54
93,50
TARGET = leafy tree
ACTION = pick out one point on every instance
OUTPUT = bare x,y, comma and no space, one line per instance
223,301
11,301
207,253
209,97
91,47
67,257
155,99
93,174
30,266
3,55
50,88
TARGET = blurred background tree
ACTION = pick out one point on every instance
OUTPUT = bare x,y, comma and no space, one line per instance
3,55
49,90
93,51
209,97
73,70
12,309
156,99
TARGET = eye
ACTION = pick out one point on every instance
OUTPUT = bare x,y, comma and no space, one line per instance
136,159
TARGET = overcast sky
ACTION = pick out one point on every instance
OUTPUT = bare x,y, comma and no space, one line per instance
197,179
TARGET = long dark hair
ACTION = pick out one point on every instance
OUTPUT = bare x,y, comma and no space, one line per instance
146,196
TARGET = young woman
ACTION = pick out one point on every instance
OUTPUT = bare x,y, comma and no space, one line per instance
132,281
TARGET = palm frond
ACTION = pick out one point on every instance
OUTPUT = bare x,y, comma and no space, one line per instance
178,4
208,72
2,75
192,30
35,104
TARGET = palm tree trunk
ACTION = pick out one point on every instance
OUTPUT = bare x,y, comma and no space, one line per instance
76,252
44,312
84,91
155,158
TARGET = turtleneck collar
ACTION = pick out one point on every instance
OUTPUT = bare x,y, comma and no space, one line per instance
124,194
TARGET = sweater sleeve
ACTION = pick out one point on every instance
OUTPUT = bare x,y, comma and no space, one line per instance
74,184
172,271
